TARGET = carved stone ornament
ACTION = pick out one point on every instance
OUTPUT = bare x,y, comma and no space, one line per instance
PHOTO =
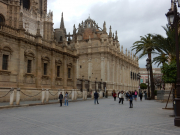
45,59
58,79
29,74
58,62
45,77
5,72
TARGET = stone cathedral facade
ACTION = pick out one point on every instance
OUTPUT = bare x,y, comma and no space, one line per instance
100,58
30,57
35,56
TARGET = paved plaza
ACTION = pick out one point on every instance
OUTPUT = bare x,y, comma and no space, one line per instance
85,118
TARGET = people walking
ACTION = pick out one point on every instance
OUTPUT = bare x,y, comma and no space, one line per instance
127,96
140,95
130,100
96,95
66,99
114,95
135,95
60,98
121,97
132,94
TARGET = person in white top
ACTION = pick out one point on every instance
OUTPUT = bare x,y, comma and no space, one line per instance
121,97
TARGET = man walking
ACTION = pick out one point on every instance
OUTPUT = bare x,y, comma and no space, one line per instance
130,100
60,98
96,95
121,97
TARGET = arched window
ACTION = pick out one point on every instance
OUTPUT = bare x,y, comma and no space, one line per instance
2,20
26,3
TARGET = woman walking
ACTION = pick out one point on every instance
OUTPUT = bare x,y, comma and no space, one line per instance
114,95
135,95
66,99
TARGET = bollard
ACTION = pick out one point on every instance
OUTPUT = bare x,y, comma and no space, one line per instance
43,96
100,94
84,94
75,94
92,94
47,95
11,96
18,96
72,95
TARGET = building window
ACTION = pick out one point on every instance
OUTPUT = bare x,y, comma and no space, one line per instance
131,75
135,76
69,72
58,71
29,66
5,62
1,19
61,38
80,66
45,68
26,3
146,80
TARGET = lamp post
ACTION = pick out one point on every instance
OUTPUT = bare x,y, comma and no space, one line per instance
173,18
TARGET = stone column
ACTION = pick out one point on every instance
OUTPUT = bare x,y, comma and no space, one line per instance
21,64
43,96
65,72
74,73
11,96
18,96
72,95
47,95
53,70
38,67
77,68
59,91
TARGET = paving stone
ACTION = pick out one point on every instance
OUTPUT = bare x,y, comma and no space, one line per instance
85,118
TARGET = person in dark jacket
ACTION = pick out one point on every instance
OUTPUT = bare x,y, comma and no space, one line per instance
140,95
60,98
130,100
96,95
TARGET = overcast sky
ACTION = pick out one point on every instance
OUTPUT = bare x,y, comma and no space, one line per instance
131,18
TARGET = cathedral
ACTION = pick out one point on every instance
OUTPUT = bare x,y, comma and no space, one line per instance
100,59
36,56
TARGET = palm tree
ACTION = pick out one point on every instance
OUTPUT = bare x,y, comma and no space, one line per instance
145,46
166,45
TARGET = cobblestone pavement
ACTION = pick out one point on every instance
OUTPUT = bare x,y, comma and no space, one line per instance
85,118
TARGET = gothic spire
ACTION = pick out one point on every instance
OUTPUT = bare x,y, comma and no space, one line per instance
110,32
104,27
62,22
116,36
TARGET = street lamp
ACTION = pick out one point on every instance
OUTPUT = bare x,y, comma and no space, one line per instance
173,20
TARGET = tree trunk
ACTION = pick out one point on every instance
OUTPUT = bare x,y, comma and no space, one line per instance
151,77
